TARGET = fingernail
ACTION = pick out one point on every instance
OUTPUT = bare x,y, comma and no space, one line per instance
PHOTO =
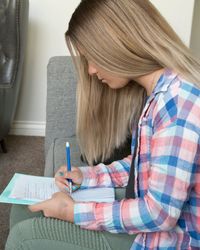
61,173
75,187
67,189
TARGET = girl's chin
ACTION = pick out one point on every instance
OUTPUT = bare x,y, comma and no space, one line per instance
114,85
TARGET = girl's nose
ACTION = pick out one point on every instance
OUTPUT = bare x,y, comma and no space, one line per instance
91,69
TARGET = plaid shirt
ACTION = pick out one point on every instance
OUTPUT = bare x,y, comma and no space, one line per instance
166,211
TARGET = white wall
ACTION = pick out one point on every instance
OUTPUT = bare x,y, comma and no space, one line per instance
48,22
179,14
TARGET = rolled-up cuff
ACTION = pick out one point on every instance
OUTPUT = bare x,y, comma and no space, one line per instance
84,213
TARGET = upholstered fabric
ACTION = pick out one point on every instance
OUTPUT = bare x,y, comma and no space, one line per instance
33,231
56,155
61,96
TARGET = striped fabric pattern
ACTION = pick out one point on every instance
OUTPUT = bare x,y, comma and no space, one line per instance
166,211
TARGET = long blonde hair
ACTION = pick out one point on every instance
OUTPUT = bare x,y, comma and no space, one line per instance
128,38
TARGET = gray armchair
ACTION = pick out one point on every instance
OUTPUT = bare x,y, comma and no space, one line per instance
13,32
32,230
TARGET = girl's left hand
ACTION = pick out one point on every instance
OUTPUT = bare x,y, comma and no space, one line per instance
60,206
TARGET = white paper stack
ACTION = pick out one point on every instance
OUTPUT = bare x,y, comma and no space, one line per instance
28,189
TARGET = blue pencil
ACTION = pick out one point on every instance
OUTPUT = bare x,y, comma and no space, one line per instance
68,165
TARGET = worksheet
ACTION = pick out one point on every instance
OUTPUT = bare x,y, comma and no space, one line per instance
29,189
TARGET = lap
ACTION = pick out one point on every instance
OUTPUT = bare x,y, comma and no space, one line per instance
34,231
21,212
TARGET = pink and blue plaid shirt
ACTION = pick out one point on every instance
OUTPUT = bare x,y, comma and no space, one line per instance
166,211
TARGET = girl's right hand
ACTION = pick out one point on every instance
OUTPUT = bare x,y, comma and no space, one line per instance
62,175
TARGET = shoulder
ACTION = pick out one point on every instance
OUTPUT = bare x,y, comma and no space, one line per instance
180,100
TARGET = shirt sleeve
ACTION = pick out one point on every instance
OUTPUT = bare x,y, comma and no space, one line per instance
173,153
114,175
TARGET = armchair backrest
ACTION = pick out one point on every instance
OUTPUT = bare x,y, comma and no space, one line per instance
13,22
61,99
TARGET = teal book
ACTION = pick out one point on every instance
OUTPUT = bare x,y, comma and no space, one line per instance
28,189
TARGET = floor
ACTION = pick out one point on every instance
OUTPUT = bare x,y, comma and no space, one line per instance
25,155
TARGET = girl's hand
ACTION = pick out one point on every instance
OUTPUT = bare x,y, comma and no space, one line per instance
60,206
62,175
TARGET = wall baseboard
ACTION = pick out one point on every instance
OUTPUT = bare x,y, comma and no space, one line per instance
28,128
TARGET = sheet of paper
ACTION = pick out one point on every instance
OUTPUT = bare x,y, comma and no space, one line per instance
34,188
28,189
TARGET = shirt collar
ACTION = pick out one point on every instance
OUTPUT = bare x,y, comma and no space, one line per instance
164,82
162,85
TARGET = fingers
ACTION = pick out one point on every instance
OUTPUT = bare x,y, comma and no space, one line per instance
62,180
62,186
38,206
60,206
61,171
70,175
62,175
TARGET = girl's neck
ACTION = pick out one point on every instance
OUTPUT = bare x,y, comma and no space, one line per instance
149,81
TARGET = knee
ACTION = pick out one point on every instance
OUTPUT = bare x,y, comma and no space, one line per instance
20,235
